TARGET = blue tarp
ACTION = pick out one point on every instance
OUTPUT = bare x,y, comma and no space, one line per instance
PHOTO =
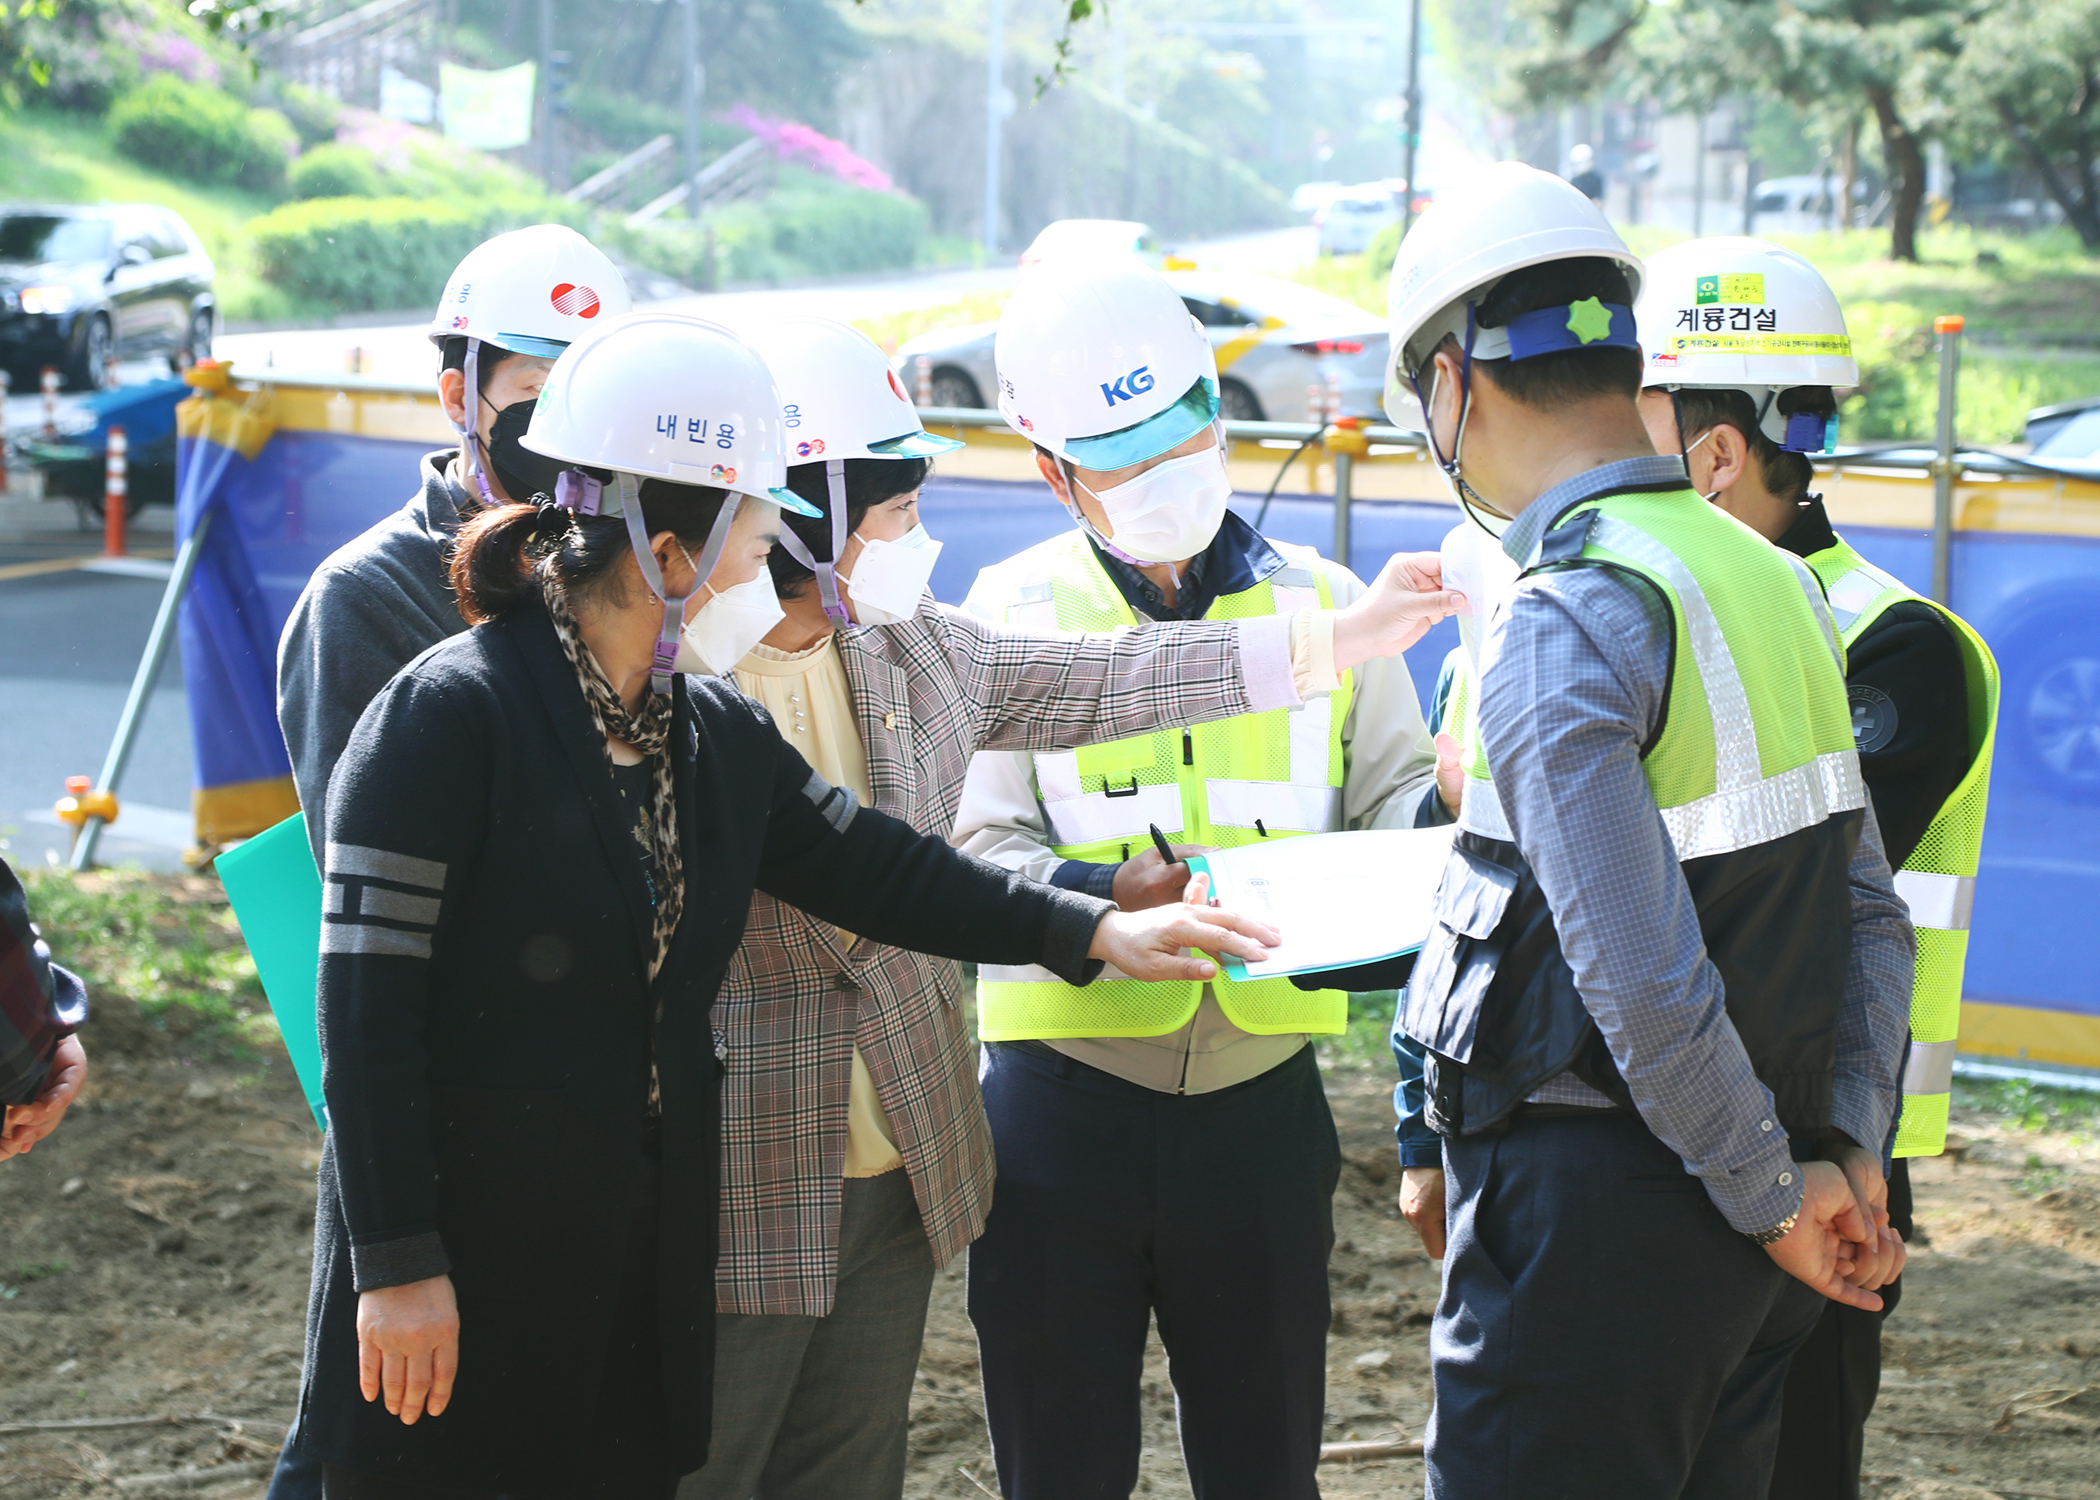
2035,598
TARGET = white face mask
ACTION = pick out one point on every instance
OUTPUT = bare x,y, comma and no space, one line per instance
722,631
889,578
1170,512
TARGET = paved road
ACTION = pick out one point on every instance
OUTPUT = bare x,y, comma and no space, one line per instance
74,641
402,351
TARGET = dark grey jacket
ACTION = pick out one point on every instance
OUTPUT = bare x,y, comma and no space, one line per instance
378,602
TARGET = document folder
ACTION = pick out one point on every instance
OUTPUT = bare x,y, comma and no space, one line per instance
1339,899
276,895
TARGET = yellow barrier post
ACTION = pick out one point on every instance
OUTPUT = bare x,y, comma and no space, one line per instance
1947,328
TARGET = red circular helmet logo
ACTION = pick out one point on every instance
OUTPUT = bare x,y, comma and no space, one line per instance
898,386
574,301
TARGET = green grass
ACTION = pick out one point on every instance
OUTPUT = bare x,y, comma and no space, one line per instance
2029,1106
2038,1177
171,947
1368,1041
69,158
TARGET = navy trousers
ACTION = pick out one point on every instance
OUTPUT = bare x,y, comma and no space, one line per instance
1602,1334
1116,1203
1832,1384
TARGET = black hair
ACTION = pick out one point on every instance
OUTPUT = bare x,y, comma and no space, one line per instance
1567,376
1786,475
507,554
869,482
453,356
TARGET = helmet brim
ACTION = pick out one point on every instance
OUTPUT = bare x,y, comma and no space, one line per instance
525,343
920,444
788,500
1162,432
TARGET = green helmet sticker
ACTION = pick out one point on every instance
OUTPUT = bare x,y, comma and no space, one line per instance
1742,289
1589,320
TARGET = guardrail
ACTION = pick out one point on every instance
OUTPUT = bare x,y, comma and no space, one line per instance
1891,485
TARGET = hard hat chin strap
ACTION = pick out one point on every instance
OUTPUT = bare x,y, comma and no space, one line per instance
470,430
1465,494
827,571
1684,451
666,651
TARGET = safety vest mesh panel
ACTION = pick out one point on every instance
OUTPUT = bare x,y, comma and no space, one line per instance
1938,880
1250,751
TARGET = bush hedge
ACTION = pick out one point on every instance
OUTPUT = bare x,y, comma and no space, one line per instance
368,254
337,171
832,232
190,130
804,228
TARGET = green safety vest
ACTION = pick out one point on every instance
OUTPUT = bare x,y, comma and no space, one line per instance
1938,881
1223,784
1756,746
1758,740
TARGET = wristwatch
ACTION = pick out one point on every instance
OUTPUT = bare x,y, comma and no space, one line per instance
1776,1233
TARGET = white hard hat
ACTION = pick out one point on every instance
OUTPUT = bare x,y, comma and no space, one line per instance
839,398
666,396
1507,217
531,291
662,396
1734,313
1100,362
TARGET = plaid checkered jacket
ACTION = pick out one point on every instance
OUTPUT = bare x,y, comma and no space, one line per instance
927,693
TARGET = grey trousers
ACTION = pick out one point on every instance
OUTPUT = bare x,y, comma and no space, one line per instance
818,1408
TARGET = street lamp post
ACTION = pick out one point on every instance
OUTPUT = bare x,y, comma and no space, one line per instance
994,113
547,114
693,84
1414,111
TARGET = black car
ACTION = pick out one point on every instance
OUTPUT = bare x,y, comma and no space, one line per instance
81,287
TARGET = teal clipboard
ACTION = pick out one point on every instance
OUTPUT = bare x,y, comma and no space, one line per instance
276,896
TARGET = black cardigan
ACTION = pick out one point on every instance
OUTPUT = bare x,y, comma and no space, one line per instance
486,1032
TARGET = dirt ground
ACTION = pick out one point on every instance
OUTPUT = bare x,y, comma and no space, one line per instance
154,1259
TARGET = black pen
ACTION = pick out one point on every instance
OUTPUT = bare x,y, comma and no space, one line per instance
1159,842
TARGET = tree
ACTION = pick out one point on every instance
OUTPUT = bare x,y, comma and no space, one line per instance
1812,53
2027,87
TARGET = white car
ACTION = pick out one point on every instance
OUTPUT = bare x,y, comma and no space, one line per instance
1310,197
1349,222
1275,340
1094,238
1800,204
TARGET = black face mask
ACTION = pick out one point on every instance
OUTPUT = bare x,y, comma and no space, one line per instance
522,472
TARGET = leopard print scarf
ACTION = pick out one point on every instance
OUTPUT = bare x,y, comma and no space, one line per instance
649,731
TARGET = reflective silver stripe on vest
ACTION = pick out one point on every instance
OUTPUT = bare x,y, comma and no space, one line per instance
1094,818
1311,728
1480,811
1851,594
1771,809
1942,901
1280,806
1746,807
1929,1069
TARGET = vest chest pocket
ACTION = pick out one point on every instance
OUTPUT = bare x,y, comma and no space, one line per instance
1442,1006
